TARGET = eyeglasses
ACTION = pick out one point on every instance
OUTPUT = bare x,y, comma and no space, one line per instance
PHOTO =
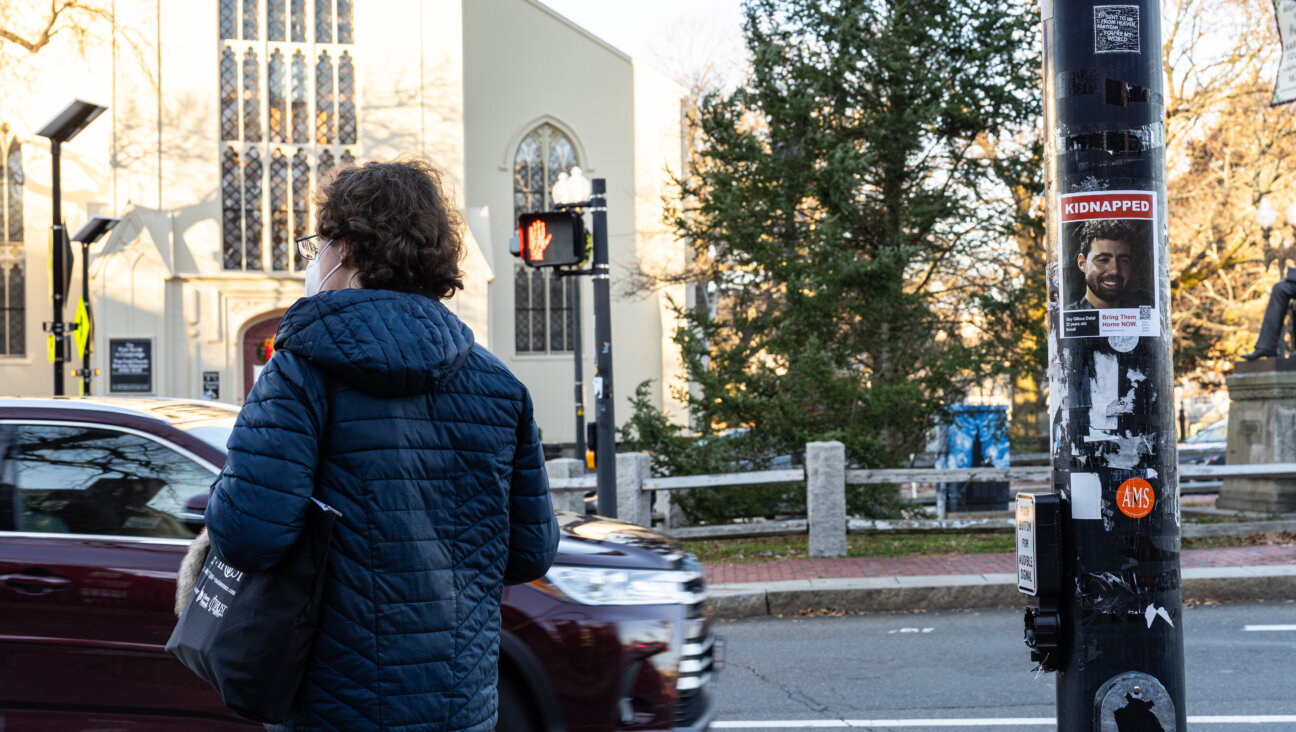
310,246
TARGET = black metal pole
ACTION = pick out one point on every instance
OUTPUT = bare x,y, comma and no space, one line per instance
85,298
580,368
606,421
1111,390
57,243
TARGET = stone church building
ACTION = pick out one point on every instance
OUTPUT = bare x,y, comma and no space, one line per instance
223,116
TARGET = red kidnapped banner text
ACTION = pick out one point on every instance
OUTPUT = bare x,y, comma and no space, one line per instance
1125,205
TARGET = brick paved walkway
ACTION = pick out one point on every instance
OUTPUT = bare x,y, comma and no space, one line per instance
797,569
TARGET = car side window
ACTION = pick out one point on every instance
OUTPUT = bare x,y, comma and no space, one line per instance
89,480
10,502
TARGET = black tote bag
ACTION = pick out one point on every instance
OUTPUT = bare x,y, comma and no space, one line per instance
249,634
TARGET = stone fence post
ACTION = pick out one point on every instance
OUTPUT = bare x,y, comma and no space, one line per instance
634,504
826,498
564,469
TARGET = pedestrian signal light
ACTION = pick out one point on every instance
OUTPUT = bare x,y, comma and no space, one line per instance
553,239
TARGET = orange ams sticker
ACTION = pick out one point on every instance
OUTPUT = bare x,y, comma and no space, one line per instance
1135,498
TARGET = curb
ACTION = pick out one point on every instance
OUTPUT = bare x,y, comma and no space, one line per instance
966,591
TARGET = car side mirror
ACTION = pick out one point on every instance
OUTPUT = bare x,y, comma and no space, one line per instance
192,515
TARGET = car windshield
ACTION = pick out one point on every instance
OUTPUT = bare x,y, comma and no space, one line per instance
214,432
1217,432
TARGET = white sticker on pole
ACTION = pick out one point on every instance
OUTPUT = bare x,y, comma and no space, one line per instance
1026,557
1285,86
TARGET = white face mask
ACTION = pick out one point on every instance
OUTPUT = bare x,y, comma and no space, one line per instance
313,280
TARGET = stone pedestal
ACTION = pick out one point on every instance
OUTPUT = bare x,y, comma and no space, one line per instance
1262,429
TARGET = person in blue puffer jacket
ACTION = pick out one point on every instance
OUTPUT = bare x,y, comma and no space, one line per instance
378,402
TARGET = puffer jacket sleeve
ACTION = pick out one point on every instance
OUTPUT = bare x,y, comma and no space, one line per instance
533,527
258,504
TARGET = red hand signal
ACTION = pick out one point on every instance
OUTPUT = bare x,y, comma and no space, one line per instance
538,241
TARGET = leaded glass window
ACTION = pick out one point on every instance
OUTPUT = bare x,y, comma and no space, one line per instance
323,21
275,21
324,129
232,209
16,311
252,210
249,20
277,110
561,315
544,318
13,292
344,21
326,162
307,118
279,210
14,180
251,97
298,21
229,111
301,201
228,20
300,102
346,100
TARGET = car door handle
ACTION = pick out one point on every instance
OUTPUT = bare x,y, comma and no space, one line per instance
30,584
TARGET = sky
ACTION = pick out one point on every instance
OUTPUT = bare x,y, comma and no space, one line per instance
677,37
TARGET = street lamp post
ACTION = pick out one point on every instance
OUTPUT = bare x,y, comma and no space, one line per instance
88,234
59,130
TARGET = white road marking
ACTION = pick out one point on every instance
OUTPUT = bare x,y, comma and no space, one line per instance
1287,628
910,630
998,722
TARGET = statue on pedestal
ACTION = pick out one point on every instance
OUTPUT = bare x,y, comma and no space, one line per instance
1271,328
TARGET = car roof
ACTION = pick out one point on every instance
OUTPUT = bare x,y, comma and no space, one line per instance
172,411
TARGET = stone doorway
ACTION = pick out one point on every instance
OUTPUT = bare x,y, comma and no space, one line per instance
258,346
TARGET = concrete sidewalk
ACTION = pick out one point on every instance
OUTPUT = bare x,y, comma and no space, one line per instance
942,582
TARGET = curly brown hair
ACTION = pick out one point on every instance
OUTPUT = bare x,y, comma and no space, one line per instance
396,226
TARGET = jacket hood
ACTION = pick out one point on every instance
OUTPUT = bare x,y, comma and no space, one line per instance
382,342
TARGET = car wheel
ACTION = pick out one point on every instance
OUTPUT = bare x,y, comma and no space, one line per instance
517,713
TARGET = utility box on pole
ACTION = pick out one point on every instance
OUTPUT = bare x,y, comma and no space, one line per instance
1113,627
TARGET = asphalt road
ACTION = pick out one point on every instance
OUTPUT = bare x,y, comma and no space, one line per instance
970,670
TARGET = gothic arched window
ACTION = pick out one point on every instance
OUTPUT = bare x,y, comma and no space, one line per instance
543,314
13,291
308,116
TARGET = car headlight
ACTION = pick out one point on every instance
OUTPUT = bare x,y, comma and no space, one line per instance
604,586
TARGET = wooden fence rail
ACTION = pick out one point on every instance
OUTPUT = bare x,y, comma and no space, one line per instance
832,479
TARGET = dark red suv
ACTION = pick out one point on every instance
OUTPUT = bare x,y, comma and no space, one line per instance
100,497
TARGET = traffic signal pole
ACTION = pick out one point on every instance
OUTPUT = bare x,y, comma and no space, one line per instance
605,457
58,244
1116,623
